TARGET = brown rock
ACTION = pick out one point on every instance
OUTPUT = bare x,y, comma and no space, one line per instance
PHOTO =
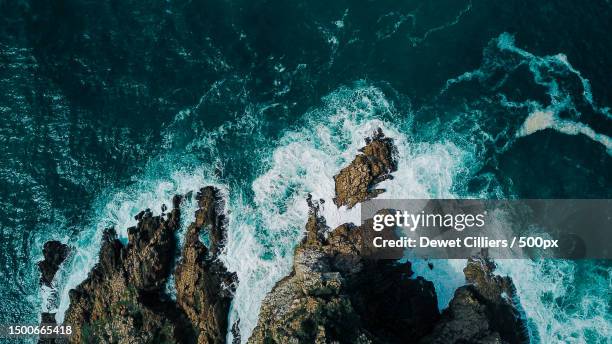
465,321
481,312
334,294
122,299
309,306
204,287
338,293
499,294
354,183
150,251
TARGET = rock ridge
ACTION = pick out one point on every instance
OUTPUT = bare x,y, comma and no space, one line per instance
123,299
204,287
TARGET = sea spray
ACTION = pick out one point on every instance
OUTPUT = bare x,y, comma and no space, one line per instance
559,305
554,74
262,236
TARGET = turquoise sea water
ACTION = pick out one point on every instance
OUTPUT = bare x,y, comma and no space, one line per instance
108,110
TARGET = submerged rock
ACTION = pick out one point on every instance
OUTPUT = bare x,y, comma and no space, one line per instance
54,253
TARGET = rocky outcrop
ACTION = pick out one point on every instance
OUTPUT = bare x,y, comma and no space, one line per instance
482,311
54,253
338,293
123,298
204,287
335,293
499,294
354,183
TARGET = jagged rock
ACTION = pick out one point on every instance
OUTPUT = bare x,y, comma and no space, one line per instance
122,299
54,253
354,183
335,292
308,306
499,293
338,293
465,321
482,311
149,254
204,287
236,332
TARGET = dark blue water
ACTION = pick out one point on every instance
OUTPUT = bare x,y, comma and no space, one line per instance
109,107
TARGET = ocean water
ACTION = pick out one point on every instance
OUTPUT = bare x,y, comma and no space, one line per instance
110,109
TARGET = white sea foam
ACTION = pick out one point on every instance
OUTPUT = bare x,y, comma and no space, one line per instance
262,237
263,230
550,72
542,118
547,119
164,177
547,288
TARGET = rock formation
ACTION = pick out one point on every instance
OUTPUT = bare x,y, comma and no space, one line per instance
337,293
334,294
482,311
204,287
375,163
123,298
54,253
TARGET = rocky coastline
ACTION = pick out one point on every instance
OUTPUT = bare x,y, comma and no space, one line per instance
335,293
123,299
